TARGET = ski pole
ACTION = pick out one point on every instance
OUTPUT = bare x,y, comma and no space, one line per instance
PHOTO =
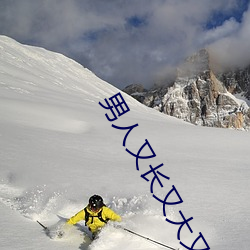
148,238
45,228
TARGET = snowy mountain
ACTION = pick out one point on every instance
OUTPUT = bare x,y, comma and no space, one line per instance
58,148
201,95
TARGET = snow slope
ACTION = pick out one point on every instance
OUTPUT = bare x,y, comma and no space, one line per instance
57,148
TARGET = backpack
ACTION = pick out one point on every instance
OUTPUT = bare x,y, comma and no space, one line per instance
99,216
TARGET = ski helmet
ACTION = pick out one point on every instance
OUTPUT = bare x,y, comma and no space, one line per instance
96,202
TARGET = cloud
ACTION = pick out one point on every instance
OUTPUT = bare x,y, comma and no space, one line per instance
126,42
233,48
228,28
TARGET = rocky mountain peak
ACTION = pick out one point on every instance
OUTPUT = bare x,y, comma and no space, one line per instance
196,64
200,96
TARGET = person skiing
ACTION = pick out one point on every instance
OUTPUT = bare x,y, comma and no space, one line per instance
95,214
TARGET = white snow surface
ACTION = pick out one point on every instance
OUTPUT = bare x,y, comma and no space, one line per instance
57,149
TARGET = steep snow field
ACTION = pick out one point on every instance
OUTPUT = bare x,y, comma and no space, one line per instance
58,148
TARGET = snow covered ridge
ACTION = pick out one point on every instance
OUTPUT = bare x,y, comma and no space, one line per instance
122,108
202,97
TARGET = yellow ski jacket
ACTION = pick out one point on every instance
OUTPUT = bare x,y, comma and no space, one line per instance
94,223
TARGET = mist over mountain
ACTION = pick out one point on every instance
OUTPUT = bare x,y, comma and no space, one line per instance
203,92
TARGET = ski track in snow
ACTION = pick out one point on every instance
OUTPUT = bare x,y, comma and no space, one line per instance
39,204
36,204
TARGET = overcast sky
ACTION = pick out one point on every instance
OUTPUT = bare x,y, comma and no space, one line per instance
131,41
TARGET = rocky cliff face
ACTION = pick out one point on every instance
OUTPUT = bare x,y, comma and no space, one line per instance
200,96
237,81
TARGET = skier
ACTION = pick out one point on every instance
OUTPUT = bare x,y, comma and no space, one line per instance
95,214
